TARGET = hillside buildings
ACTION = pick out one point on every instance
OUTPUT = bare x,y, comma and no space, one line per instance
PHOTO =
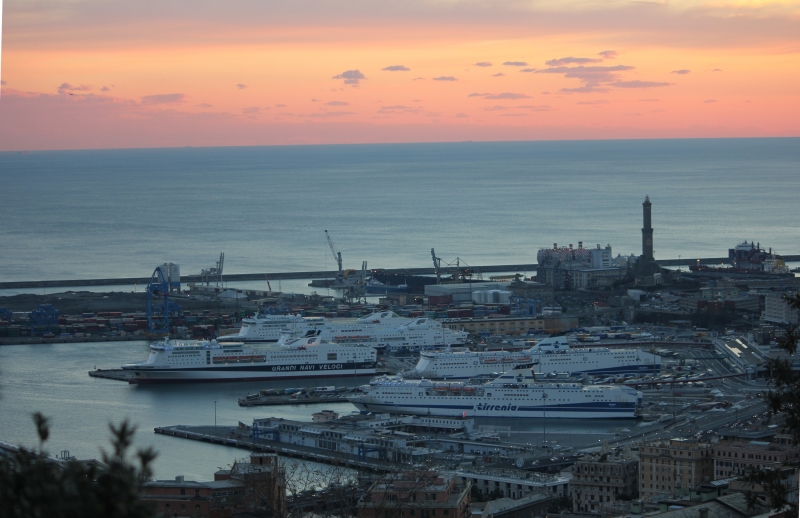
417,494
674,467
600,480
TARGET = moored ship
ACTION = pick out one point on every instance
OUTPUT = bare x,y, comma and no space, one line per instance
261,328
381,330
213,361
552,354
513,394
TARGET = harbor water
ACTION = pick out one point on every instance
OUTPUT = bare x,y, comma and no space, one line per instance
120,213
53,380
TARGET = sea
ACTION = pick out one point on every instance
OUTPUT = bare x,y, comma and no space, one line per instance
120,213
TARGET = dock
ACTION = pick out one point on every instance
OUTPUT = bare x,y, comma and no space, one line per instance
289,400
112,374
233,437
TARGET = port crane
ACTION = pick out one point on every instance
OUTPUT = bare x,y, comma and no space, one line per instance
337,256
158,314
214,273
437,267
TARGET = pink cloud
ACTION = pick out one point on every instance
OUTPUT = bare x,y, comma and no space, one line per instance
66,87
639,84
351,77
150,100
571,61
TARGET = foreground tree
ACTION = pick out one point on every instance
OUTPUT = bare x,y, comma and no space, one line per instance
783,400
33,484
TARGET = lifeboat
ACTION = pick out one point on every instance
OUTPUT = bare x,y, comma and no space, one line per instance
245,358
489,360
442,388
524,359
261,358
469,389
219,359
231,359
508,360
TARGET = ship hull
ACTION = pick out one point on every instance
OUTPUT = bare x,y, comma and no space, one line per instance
250,373
517,409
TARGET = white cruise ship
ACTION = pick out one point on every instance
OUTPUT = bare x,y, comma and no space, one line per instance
514,394
381,330
261,328
552,354
212,361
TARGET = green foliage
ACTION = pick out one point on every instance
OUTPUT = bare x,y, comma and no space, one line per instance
34,485
784,399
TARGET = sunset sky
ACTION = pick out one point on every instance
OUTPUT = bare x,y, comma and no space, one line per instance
151,73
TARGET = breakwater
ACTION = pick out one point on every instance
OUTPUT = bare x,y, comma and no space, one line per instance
323,274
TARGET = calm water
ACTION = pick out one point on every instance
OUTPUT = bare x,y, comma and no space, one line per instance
53,379
84,214
119,213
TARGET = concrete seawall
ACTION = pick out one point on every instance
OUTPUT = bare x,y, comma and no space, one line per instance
323,274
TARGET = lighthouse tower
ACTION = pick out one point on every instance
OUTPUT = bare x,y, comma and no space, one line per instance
647,230
647,271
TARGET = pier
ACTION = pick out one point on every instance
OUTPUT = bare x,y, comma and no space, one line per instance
233,437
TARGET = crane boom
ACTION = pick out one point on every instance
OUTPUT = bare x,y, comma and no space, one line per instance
437,264
337,256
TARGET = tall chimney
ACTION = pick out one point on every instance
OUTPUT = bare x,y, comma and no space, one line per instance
647,231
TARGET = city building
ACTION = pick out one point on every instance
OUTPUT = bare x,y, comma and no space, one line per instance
531,506
777,310
417,494
674,467
513,483
508,325
738,453
719,304
255,486
601,481
573,268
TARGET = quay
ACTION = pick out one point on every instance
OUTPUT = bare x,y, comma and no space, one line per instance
323,274
238,438
273,276
288,400
112,374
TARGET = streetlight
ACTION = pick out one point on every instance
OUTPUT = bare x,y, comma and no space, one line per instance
544,419
215,415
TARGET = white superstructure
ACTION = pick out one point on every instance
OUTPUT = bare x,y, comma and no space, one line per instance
212,361
553,354
261,328
513,394
384,329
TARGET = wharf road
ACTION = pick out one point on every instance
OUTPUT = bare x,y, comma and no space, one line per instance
232,436
329,274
